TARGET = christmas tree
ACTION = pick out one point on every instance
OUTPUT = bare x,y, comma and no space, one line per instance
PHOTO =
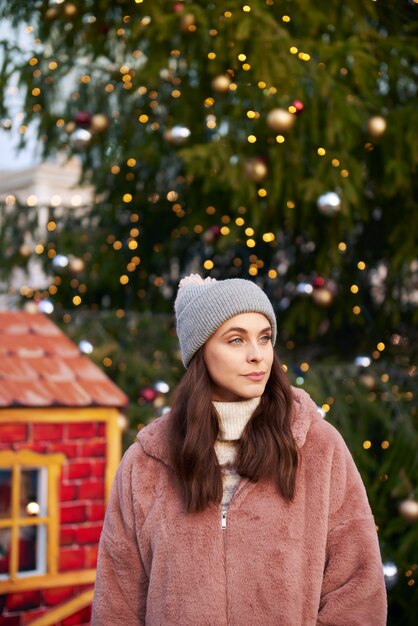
274,141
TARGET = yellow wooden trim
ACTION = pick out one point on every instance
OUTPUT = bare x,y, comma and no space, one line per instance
114,451
48,581
64,610
10,458
57,415
24,521
53,526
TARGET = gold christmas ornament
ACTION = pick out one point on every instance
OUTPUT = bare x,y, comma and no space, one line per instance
376,126
25,249
187,20
76,265
99,123
280,119
256,170
409,510
70,127
322,296
70,9
221,83
51,14
368,381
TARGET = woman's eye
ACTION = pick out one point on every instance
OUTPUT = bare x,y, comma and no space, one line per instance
266,338
235,340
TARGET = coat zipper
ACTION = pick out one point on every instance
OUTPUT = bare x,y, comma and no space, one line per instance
224,511
223,519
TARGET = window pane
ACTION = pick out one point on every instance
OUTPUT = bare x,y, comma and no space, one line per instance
5,493
5,536
30,505
27,548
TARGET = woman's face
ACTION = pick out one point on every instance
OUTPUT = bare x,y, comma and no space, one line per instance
239,356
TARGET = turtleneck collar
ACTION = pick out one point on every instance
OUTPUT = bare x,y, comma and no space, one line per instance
233,417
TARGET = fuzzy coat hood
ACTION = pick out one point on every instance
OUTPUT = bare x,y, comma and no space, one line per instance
310,562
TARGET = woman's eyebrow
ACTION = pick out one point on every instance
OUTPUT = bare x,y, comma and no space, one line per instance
244,331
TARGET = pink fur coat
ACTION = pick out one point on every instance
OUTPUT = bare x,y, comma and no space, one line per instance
314,561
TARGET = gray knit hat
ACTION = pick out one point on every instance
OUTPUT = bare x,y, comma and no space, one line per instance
202,306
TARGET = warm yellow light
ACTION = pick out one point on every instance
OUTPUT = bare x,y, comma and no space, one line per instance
361,265
251,243
211,56
293,50
143,119
246,67
380,346
272,274
290,204
251,138
242,57
354,289
132,244
326,407
321,151
225,230
240,221
208,264
261,84
51,226
286,18
246,8
367,444
342,246
36,91
280,139
249,232
124,279
127,197
33,508
115,169
304,367
262,192
227,14
39,248
268,237
76,300
356,310
335,162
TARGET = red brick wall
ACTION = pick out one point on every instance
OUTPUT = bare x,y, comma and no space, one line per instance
81,509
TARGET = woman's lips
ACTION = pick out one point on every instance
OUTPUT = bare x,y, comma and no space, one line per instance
256,376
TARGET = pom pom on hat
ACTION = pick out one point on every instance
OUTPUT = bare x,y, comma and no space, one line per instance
202,305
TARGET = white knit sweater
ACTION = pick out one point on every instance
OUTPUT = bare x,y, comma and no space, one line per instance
233,417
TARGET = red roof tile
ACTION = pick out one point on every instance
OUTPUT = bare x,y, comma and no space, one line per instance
40,366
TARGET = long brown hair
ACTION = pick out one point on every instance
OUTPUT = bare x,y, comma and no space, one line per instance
266,449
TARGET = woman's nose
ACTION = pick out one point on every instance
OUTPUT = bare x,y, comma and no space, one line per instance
254,353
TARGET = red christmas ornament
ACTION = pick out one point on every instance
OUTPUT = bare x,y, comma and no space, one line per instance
299,106
318,282
147,394
82,119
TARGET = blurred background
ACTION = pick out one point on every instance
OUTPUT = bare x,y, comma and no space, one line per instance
274,141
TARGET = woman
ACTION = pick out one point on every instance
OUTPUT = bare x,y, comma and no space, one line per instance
242,506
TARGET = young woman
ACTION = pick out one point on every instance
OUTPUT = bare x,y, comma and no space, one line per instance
242,506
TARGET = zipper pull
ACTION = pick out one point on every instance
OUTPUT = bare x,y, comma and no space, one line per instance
223,519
